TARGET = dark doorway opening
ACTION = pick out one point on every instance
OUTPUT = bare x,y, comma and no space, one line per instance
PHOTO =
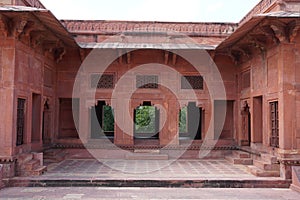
102,121
190,122
36,117
46,127
257,119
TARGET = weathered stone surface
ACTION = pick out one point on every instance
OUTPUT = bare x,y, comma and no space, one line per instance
257,61
296,178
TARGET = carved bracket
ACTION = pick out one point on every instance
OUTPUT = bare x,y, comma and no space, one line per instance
166,57
128,57
4,25
57,49
36,38
293,28
18,25
59,53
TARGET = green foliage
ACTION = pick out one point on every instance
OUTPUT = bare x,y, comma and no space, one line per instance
183,120
145,119
108,119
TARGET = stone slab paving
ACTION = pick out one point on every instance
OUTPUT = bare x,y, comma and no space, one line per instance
87,193
149,169
148,173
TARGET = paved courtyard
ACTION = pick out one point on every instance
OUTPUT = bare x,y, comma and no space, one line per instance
147,193
138,170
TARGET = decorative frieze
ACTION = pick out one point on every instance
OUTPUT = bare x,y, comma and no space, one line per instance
117,27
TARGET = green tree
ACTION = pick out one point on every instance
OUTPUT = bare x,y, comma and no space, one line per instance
145,119
108,119
183,120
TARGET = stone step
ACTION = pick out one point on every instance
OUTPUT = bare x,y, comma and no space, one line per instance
39,171
35,172
146,156
241,154
239,161
262,173
52,152
55,157
31,165
154,151
266,165
24,158
269,158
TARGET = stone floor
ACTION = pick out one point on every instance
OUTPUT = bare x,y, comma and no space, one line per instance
134,172
147,193
148,173
150,169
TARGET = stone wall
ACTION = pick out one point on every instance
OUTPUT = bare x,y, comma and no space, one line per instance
1,177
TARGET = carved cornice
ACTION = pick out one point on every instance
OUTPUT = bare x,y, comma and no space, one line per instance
117,27
268,34
290,162
7,160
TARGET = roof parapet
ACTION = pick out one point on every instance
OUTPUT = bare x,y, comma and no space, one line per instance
28,3
267,6
260,8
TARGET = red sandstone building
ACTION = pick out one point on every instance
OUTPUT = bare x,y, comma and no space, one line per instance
256,77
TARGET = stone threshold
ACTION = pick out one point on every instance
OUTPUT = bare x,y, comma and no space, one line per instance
203,183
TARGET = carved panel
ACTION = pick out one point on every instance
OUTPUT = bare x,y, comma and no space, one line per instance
273,74
274,124
48,77
20,121
106,81
246,79
148,82
192,82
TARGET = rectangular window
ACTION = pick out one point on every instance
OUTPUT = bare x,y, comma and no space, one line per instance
20,121
104,81
192,82
147,82
274,120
